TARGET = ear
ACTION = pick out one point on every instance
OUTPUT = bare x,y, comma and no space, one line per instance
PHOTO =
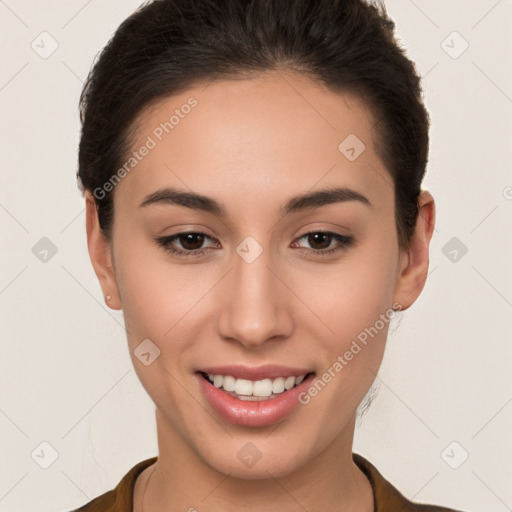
100,252
413,267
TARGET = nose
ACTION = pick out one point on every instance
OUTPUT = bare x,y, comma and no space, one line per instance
256,306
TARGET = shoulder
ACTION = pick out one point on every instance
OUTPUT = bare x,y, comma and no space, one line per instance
119,499
386,497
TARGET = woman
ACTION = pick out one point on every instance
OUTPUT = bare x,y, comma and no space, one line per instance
252,173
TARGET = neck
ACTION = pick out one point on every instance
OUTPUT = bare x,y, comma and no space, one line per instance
180,480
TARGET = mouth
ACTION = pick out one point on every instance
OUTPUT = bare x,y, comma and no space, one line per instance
253,397
254,390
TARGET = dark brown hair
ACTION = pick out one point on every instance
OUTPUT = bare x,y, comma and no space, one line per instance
167,46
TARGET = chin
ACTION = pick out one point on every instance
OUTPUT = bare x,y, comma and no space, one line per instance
264,468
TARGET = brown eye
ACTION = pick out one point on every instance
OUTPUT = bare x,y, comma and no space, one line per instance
191,241
320,242
185,244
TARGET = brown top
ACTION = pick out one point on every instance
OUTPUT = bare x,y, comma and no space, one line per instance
385,497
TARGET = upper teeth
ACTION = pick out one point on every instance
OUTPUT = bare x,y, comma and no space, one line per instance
265,387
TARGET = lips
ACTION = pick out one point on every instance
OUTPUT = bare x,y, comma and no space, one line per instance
251,407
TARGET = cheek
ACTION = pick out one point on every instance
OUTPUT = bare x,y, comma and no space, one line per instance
356,302
354,293
155,293
158,301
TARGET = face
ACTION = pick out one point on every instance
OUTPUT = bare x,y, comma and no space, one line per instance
249,283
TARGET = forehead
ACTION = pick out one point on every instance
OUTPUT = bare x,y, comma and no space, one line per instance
265,137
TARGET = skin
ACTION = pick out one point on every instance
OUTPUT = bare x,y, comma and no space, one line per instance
251,144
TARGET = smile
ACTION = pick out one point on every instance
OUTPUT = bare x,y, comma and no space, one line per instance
250,390
253,397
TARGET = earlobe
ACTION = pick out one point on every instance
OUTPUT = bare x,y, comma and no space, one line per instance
414,264
100,252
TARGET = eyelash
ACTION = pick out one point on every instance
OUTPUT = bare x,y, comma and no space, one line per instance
166,241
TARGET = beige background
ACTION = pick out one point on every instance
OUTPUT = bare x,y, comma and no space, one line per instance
66,375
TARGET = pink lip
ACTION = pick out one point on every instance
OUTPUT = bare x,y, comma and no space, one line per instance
269,371
252,414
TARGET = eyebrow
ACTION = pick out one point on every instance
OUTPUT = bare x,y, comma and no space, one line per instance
177,197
